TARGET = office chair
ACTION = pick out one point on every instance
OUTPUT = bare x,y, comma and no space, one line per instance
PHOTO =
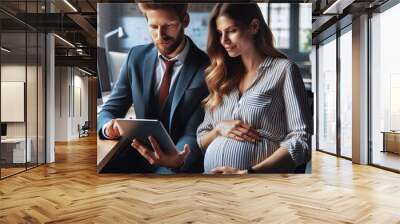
84,130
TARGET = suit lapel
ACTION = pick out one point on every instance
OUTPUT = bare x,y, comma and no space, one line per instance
185,76
148,76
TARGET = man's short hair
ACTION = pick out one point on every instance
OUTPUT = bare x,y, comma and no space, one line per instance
180,9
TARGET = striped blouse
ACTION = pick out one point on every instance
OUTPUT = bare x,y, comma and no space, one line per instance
275,105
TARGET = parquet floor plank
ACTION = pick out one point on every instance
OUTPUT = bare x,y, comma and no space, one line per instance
71,191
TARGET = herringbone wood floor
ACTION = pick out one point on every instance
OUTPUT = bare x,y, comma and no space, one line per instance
70,191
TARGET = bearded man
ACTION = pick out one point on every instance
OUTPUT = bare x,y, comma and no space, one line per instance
163,80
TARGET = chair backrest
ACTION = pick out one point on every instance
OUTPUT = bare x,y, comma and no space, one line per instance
86,125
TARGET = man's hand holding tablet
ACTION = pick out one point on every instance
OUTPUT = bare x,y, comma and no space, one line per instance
112,130
158,157
152,141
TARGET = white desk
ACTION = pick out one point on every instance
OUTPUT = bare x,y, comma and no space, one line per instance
15,148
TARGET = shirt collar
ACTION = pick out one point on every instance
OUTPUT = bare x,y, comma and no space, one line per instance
267,62
181,56
261,68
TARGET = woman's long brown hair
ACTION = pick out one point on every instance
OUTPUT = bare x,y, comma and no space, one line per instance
225,72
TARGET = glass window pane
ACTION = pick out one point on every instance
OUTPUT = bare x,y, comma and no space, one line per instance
280,24
305,26
41,92
327,97
264,10
346,94
385,89
31,98
13,86
22,89
41,99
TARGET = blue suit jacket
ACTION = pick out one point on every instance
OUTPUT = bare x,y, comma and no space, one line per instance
135,86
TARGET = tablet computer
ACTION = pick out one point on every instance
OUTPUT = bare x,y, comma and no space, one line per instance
141,129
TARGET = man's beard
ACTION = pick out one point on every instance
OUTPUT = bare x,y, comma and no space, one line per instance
168,50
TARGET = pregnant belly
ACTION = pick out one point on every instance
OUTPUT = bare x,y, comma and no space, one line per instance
229,152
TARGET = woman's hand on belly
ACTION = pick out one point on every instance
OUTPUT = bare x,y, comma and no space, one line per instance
238,130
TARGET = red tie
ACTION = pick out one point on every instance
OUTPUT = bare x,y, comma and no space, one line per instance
166,82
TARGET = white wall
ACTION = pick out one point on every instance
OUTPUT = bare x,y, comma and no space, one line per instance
80,110
17,73
71,102
14,73
61,103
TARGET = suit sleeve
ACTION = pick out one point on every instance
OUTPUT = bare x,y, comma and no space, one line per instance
119,101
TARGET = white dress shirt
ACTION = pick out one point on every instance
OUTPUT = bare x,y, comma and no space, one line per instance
180,59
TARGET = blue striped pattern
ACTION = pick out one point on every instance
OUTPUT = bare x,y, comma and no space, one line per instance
276,106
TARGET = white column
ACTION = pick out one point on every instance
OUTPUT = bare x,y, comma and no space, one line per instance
50,101
314,90
360,90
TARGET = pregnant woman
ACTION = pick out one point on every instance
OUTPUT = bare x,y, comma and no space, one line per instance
256,116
